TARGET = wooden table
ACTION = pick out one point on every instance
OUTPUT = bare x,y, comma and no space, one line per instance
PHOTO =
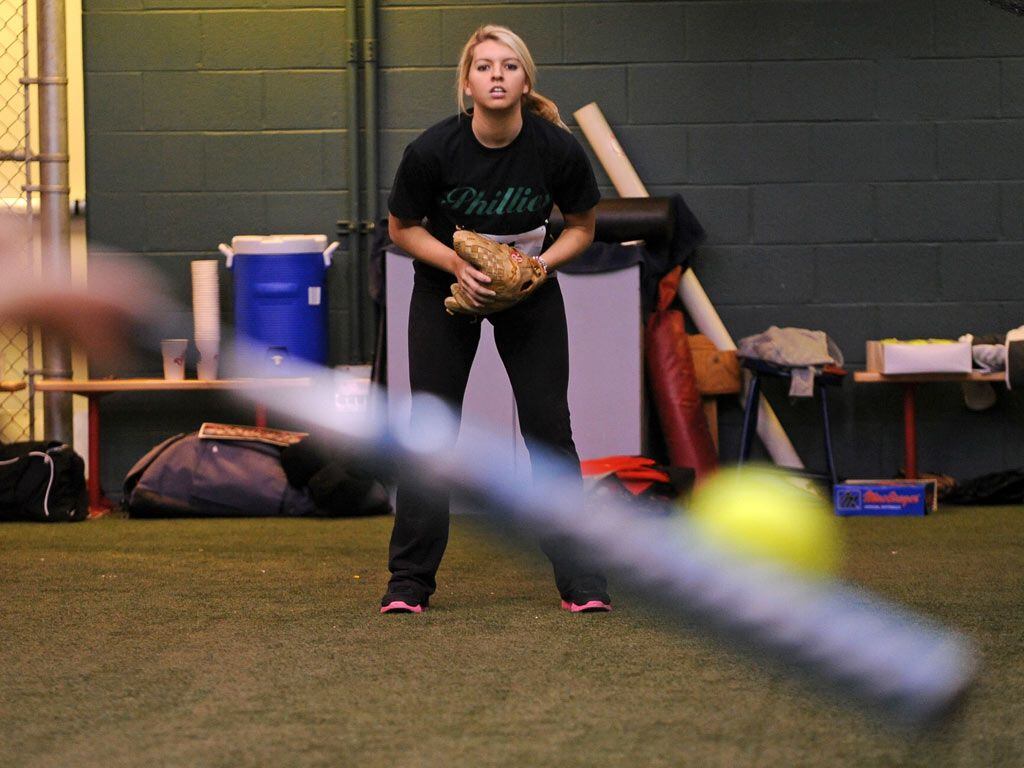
909,381
94,389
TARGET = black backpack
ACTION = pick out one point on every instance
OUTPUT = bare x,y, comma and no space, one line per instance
43,482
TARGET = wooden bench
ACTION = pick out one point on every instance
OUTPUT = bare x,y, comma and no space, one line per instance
94,389
909,382
718,373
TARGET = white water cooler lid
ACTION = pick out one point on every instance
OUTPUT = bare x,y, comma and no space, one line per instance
268,245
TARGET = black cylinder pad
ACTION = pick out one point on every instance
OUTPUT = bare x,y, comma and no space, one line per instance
621,220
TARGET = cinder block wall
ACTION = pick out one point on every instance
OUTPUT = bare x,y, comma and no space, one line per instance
858,165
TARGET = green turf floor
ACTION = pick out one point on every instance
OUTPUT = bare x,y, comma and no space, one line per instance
257,643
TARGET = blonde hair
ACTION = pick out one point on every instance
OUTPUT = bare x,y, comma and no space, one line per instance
532,100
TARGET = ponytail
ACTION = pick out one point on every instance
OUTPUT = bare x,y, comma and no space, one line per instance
544,107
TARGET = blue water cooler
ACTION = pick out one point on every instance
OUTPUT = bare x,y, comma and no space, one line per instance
280,300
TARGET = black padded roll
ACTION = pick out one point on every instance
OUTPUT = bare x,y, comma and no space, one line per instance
1014,363
620,220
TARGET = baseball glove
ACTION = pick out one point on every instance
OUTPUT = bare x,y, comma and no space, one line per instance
514,275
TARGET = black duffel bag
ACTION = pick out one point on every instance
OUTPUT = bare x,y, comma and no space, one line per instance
186,476
42,481
189,476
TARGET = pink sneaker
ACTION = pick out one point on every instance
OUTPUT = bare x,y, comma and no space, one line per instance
588,606
401,606
403,599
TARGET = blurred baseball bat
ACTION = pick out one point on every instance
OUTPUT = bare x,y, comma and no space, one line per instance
903,666
906,667
124,307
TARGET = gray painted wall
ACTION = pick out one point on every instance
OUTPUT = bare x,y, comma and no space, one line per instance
858,165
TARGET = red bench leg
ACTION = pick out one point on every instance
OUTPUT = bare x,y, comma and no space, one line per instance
99,504
909,431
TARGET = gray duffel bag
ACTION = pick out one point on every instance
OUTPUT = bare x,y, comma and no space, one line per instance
188,476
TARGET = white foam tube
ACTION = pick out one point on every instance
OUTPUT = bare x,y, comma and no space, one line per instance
609,151
628,184
704,316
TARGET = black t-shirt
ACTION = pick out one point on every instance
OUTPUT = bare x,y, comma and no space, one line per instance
452,180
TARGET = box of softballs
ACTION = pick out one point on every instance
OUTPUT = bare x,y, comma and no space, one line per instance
885,497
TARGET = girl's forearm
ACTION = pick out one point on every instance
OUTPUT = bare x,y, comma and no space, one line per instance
414,239
574,240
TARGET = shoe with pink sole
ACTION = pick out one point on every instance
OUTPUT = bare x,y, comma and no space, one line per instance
400,600
582,605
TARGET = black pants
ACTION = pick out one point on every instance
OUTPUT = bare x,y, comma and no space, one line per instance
533,343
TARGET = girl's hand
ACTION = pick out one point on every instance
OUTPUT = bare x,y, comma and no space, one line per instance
473,283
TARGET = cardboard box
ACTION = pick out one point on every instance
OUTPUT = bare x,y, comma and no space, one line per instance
896,357
885,497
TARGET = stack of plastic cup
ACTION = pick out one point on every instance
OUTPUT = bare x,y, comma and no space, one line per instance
206,316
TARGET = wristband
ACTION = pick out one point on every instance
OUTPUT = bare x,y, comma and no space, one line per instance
547,269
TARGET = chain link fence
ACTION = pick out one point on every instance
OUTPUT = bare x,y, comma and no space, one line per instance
17,420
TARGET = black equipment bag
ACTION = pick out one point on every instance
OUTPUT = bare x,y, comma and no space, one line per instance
185,476
42,481
338,485
189,476
1006,487
646,485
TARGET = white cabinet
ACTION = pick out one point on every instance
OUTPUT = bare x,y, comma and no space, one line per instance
605,365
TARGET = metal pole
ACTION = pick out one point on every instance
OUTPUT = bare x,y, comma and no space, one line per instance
354,250
30,224
369,326
53,199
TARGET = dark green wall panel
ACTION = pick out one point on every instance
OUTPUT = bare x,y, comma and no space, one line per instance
264,39
813,90
756,30
263,161
145,162
873,151
751,153
993,149
113,101
945,89
416,98
202,101
117,221
747,274
541,27
856,163
625,32
962,30
877,274
304,100
197,221
938,211
813,213
690,93
723,211
1012,219
412,38
572,87
122,42
307,212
